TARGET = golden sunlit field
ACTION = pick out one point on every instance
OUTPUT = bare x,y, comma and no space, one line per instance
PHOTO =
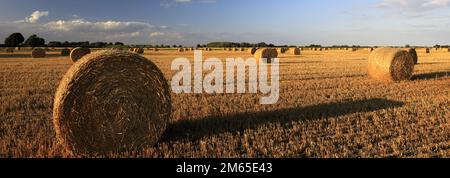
328,107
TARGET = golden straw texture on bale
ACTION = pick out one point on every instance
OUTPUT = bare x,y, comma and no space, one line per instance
111,101
390,65
65,52
413,54
266,53
38,53
252,50
77,53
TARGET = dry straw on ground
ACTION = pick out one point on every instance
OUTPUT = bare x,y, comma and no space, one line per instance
111,101
252,50
266,53
390,65
77,53
65,52
38,53
413,54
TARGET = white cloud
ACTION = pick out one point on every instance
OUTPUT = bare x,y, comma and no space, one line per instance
170,3
35,16
182,1
81,25
414,5
165,34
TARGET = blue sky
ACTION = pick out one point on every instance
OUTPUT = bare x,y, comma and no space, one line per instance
189,22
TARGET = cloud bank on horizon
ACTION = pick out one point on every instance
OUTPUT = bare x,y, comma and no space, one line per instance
190,22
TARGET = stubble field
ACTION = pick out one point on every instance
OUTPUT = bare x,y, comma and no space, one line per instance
328,107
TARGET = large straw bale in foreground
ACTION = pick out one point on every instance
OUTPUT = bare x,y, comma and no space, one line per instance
111,101
390,65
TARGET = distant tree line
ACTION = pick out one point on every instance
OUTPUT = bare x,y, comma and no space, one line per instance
235,45
18,40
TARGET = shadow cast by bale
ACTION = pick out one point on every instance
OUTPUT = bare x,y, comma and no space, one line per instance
196,129
322,78
301,62
428,76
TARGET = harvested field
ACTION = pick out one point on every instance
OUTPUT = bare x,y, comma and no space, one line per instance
328,107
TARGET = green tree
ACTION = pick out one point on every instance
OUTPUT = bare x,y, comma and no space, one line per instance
35,41
14,39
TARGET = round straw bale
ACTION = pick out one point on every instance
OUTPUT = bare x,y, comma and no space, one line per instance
413,54
294,51
281,50
252,50
427,50
266,53
181,50
9,50
38,53
131,49
139,50
78,53
156,49
65,52
111,101
390,65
